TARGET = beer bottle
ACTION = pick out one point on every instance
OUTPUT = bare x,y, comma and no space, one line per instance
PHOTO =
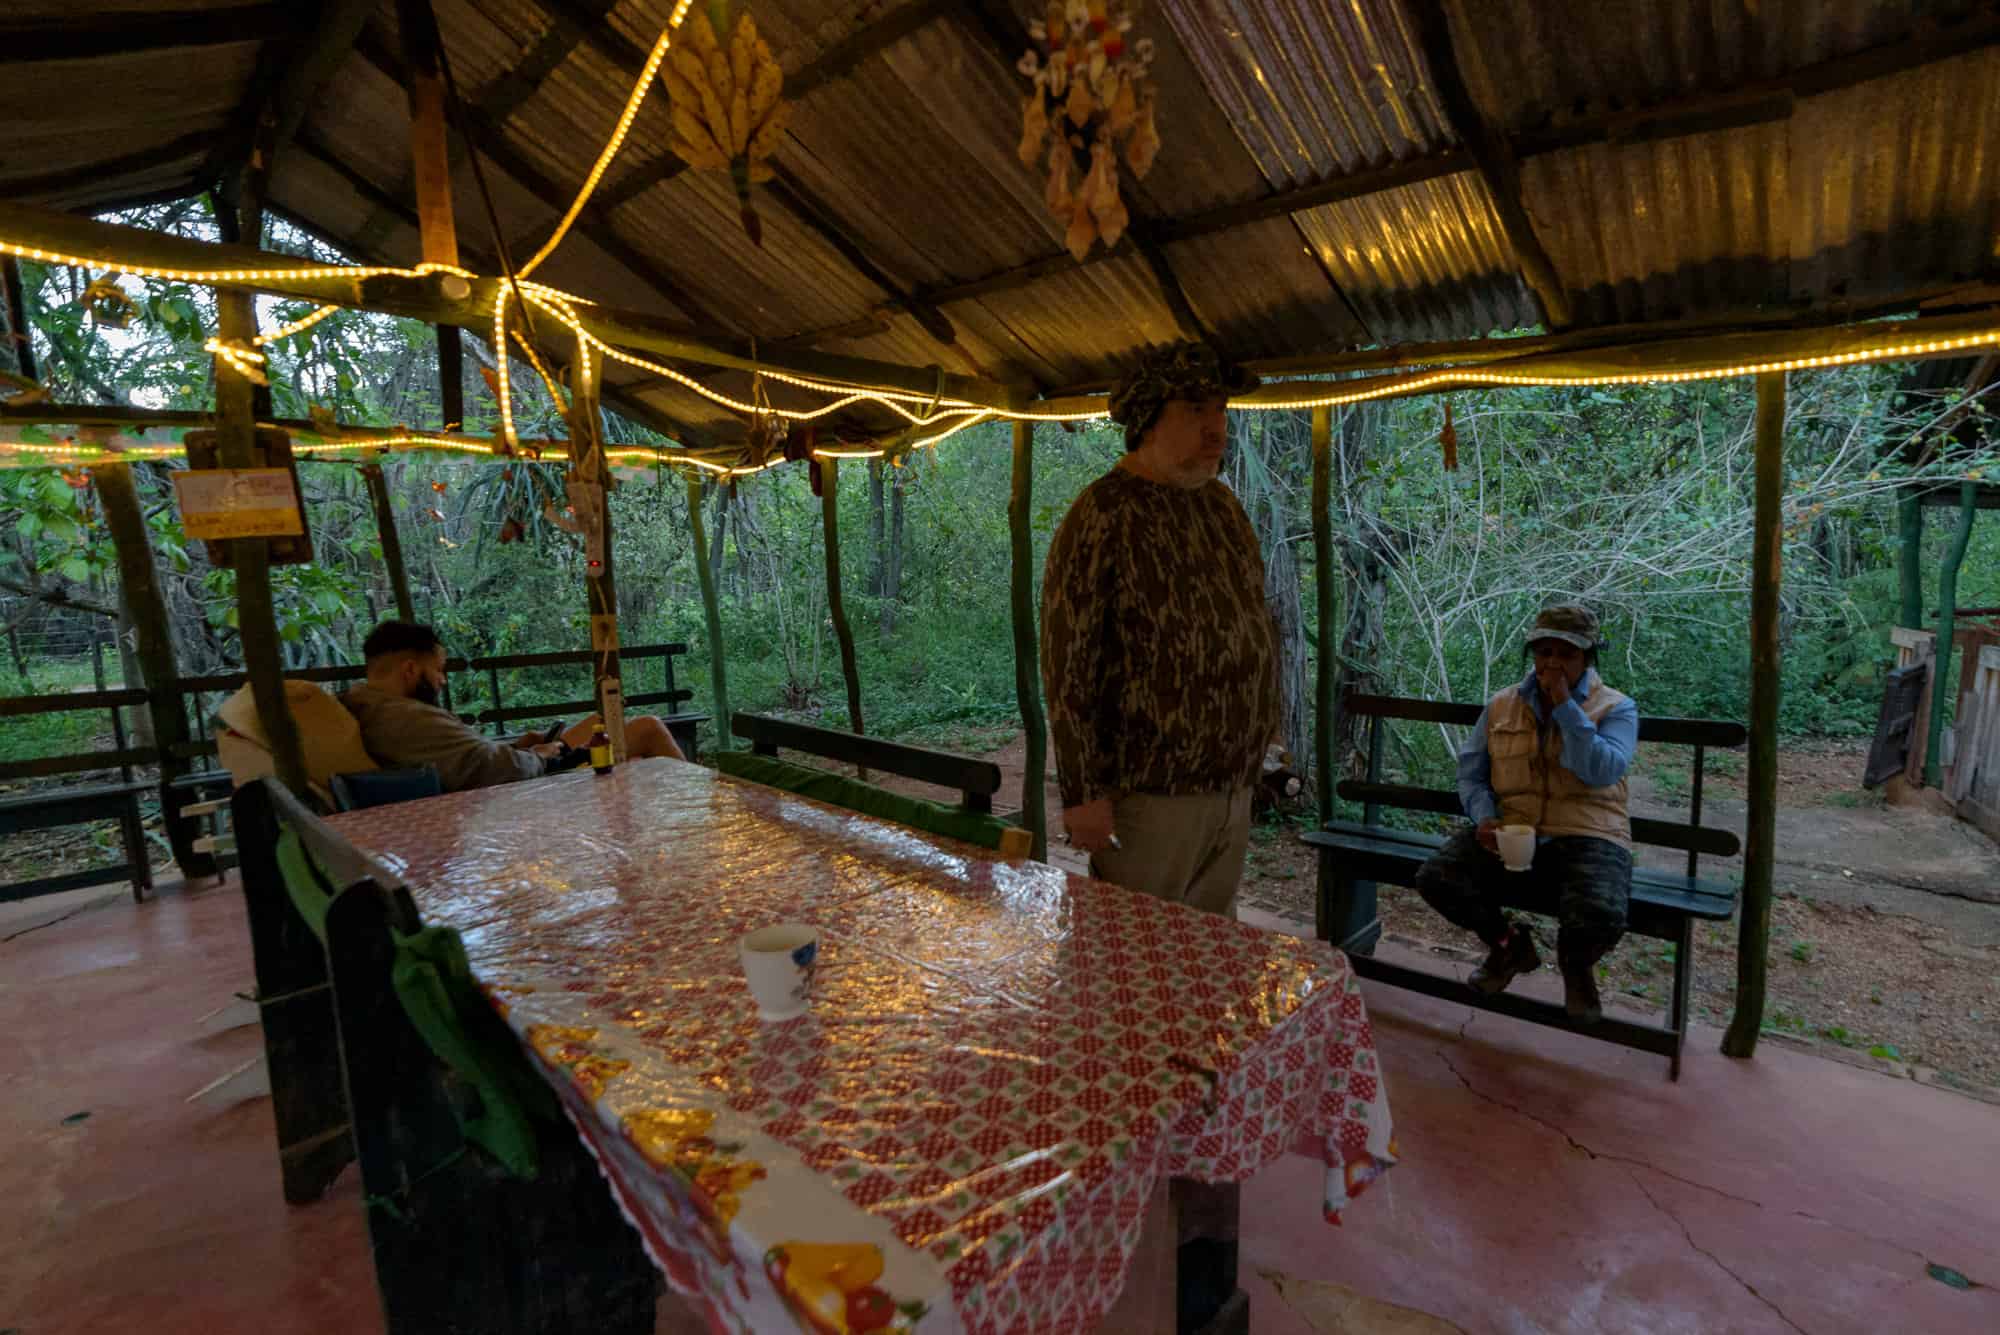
600,750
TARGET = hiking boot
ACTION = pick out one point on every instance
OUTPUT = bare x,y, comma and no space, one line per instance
1580,994
1513,956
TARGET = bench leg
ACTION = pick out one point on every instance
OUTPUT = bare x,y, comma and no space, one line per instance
1683,986
1347,915
136,857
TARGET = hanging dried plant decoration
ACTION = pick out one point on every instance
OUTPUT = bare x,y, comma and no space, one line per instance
727,110
1092,97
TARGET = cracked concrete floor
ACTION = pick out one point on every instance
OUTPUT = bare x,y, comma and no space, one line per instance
1554,1184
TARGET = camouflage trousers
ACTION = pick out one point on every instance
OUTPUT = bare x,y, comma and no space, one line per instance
1584,883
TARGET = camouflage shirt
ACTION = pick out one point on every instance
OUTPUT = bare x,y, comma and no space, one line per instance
1159,656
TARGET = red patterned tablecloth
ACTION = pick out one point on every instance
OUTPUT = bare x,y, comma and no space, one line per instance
1000,1062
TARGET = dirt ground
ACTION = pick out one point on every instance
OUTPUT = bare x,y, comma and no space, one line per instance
1885,938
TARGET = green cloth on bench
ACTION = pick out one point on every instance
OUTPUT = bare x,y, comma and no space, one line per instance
436,988
953,822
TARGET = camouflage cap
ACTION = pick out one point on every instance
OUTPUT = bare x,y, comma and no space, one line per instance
1166,372
1572,623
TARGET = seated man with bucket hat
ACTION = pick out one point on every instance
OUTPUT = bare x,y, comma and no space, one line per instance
1550,753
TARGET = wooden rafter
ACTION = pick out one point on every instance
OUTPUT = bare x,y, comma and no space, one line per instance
280,93
106,244
569,26
86,36
1494,157
491,140
186,146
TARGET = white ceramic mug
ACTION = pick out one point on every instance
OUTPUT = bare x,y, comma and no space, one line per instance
779,963
1517,846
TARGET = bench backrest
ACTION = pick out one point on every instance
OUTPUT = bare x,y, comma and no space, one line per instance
121,756
976,780
1692,836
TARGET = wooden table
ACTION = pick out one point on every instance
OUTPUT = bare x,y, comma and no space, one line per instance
1002,1065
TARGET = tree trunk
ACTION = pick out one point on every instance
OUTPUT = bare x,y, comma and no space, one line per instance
836,606
878,572
711,610
1364,592
1027,670
1324,699
717,545
892,584
1282,593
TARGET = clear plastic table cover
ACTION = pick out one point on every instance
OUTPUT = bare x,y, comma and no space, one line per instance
999,1062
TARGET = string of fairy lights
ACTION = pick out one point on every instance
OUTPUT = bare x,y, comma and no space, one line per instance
953,415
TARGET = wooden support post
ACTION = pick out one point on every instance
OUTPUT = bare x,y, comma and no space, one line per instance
1760,844
430,172
1324,567
1947,613
711,609
146,609
590,474
451,377
17,316
1027,664
829,509
1910,558
236,432
392,542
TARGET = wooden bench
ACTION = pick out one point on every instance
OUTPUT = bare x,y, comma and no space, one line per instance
974,780
1355,855
51,808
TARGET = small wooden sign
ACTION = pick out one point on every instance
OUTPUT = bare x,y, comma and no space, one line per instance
238,503
220,504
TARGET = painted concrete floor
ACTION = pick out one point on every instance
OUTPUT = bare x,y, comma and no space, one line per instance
1548,1183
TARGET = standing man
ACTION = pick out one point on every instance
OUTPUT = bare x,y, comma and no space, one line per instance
1550,753
1159,655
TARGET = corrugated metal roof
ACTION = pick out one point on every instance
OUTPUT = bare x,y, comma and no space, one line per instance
1533,63
1315,87
1872,193
1427,261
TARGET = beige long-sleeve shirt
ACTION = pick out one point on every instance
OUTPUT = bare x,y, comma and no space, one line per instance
403,733
1159,655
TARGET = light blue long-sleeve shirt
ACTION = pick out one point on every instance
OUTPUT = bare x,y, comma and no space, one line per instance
1597,753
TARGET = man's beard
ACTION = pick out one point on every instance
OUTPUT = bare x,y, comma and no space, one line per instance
424,692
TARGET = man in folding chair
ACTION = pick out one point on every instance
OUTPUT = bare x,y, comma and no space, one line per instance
403,726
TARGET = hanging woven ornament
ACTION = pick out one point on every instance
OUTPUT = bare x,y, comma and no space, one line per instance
727,112
1092,96
1448,438
766,431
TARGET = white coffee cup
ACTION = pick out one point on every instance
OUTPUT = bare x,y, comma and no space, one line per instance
1517,846
779,963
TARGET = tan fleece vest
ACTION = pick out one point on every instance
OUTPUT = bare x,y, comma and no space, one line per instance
1529,779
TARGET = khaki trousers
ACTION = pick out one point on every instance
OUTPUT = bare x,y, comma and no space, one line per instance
1187,849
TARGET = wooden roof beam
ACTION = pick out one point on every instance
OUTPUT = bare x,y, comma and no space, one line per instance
86,36
1495,159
